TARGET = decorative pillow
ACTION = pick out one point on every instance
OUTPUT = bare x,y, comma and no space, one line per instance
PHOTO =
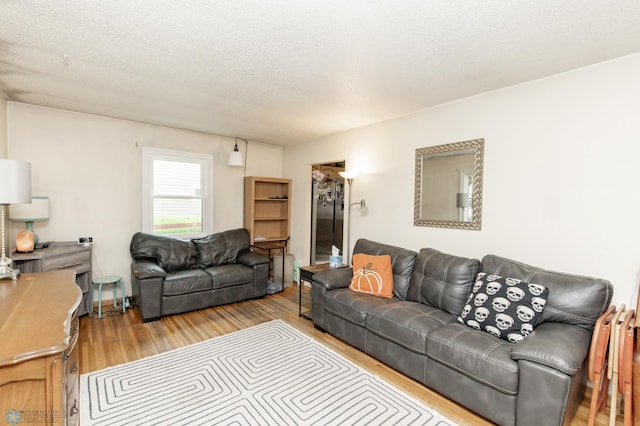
505,307
372,275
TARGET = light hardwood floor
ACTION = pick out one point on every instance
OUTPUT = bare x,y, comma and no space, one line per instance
117,338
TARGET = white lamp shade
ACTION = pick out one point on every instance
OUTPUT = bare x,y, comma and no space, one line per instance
235,159
38,210
15,181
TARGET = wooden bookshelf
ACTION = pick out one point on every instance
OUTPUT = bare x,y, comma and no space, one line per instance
267,209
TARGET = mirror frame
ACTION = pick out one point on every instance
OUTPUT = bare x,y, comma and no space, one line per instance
476,203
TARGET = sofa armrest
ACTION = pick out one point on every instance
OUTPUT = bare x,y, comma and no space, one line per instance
251,258
143,269
334,278
560,346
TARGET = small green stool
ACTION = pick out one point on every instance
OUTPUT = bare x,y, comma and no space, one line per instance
114,280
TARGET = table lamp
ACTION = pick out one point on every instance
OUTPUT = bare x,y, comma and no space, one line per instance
15,187
36,211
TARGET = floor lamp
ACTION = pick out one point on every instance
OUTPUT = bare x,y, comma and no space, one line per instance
15,187
349,176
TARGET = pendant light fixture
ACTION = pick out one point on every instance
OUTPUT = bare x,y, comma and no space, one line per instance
235,157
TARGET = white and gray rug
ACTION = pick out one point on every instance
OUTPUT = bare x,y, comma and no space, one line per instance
270,374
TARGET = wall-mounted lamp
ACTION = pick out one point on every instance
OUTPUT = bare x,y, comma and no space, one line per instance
361,203
37,211
15,187
235,157
349,176
463,200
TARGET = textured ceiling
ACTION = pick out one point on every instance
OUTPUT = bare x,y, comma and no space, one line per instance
290,71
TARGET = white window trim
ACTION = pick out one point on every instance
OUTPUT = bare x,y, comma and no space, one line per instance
148,156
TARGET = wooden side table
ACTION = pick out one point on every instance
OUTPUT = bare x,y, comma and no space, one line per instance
269,247
306,275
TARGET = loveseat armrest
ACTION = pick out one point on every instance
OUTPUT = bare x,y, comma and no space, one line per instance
560,346
143,269
147,278
334,278
260,264
251,258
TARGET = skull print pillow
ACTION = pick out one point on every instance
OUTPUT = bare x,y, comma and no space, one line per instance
505,307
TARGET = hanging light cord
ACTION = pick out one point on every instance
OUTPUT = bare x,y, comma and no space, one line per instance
246,155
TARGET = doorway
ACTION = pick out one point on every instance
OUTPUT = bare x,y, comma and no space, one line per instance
327,210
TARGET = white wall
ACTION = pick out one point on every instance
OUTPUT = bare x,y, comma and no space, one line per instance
562,159
90,166
3,126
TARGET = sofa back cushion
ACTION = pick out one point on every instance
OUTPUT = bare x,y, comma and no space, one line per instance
442,280
572,299
170,253
221,248
402,261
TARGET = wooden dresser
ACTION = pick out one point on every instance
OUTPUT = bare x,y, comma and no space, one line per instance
38,361
60,255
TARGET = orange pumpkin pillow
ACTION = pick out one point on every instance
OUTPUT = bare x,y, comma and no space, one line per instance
372,275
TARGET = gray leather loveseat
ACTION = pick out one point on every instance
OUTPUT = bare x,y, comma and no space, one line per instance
537,378
170,276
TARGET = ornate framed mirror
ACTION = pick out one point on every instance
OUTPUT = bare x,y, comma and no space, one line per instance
448,185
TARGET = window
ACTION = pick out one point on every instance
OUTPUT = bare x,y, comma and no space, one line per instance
177,190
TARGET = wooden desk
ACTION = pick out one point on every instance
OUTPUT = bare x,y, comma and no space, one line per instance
38,332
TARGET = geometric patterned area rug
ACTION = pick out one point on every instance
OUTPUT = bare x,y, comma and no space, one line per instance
269,374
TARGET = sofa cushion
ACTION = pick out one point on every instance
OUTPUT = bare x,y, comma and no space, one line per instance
478,355
170,253
505,307
402,261
221,248
352,306
230,275
187,281
372,275
442,280
573,299
406,323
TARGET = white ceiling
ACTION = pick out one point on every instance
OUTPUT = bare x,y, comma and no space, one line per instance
288,71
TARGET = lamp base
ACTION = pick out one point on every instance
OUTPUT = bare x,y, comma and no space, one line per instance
6,271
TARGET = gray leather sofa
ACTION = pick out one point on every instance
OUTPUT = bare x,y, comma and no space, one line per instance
539,380
170,276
